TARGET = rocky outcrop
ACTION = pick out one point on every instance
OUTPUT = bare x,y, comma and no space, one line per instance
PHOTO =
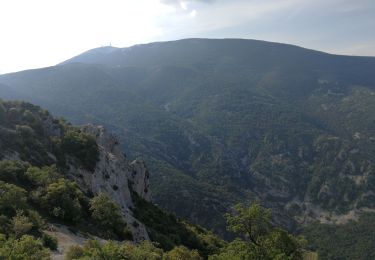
116,176
139,179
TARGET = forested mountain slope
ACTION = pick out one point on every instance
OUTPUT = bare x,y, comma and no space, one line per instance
55,176
222,121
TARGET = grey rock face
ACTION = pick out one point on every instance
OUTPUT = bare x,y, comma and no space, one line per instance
115,175
139,179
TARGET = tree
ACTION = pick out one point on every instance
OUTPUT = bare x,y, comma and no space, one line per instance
11,171
12,198
107,216
252,223
41,176
63,200
82,146
260,239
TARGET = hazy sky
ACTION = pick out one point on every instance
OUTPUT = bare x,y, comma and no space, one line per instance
38,33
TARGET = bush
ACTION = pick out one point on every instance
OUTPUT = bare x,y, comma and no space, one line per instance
12,198
81,146
21,224
63,200
74,252
12,171
49,241
93,249
107,216
35,219
262,240
42,176
27,247
182,253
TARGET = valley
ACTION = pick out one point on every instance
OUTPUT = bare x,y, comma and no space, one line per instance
220,122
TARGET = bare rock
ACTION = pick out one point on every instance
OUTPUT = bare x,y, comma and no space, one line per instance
115,176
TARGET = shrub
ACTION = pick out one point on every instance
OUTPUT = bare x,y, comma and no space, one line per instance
49,241
107,216
182,253
63,200
81,146
11,171
42,176
27,247
21,224
12,198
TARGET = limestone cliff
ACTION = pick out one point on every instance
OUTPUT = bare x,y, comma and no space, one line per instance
115,175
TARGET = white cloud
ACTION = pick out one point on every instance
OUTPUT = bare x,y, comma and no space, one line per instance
360,49
227,14
184,5
45,32
193,14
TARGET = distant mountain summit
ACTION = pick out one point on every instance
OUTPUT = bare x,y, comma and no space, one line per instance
190,50
92,56
225,121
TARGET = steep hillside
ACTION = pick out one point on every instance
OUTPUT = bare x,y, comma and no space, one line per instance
222,121
76,183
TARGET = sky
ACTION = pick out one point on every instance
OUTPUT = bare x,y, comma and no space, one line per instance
40,33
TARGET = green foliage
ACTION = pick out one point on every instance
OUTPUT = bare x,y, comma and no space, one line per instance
26,247
236,250
221,121
251,222
107,216
21,224
12,171
12,198
49,241
23,133
33,134
182,253
93,249
353,240
169,231
35,219
42,176
281,245
82,146
144,251
39,185
63,199
261,241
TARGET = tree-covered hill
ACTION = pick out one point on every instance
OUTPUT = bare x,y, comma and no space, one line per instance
45,165
224,121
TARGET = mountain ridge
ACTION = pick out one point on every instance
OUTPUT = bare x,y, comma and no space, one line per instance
229,120
270,43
